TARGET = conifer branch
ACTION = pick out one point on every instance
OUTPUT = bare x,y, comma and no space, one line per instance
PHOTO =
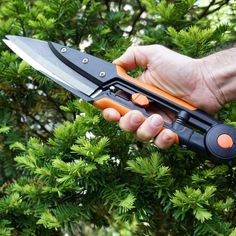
207,10
44,139
20,20
119,4
56,106
21,109
90,178
79,35
37,121
107,5
137,17
219,7
33,132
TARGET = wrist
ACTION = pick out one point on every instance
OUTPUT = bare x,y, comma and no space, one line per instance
219,72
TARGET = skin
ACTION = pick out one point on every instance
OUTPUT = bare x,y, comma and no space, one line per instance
205,83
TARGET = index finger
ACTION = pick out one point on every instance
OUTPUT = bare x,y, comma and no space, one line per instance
136,56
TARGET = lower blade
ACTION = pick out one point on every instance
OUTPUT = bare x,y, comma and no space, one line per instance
38,54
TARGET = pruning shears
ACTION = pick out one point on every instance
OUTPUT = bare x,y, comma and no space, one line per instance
100,82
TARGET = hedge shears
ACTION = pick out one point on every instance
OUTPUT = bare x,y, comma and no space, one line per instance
107,85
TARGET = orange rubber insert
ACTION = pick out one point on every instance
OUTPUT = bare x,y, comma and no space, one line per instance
225,141
140,99
104,103
122,73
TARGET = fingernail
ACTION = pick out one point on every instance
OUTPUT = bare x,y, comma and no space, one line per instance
113,117
136,119
168,135
156,121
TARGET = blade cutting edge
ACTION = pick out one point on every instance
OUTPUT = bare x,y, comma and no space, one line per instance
38,54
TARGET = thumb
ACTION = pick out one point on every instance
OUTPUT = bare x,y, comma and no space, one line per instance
135,56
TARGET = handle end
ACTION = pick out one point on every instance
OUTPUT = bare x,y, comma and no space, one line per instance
220,141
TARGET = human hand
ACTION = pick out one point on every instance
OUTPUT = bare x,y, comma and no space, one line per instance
176,74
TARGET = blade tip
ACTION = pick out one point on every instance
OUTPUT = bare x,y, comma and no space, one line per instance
7,38
6,41
12,37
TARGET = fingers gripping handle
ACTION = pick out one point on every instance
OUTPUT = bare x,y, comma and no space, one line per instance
219,142
122,107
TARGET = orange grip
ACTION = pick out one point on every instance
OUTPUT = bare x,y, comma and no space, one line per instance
122,73
104,103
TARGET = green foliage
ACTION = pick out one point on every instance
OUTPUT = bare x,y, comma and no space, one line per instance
197,42
48,220
4,229
64,170
153,170
195,200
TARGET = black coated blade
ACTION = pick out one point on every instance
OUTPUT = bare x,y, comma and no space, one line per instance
38,54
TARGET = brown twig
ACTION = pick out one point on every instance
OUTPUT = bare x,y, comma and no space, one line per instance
137,17
207,11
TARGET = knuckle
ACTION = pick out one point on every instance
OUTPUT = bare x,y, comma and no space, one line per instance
158,47
130,49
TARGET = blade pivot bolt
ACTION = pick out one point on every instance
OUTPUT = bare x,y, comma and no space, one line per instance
63,50
85,60
102,74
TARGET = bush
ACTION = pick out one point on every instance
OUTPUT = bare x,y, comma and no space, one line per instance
64,170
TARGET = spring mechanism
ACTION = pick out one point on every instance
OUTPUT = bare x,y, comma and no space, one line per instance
182,117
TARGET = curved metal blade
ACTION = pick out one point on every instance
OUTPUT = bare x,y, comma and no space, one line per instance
38,54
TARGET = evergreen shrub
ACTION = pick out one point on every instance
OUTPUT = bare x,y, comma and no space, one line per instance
66,171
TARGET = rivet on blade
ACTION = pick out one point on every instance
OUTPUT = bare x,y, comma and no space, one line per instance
63,50
85,60
102,74
112,88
